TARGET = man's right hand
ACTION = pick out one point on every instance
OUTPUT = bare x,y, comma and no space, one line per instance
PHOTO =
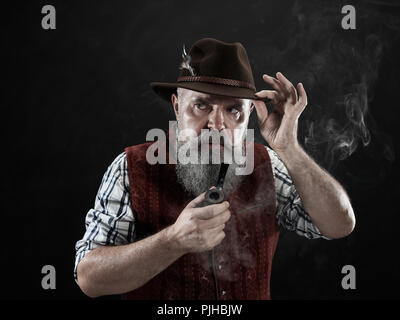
200,229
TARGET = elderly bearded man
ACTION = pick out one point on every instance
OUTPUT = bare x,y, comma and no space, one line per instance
148,236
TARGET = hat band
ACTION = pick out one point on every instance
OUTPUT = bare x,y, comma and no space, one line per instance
227,82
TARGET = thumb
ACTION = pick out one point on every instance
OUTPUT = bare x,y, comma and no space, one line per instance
261,109
196,201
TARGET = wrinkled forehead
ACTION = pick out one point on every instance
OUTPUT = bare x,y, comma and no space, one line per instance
190,96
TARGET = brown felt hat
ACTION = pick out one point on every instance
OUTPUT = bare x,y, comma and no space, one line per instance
213,67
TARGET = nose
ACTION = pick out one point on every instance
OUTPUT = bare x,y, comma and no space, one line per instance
216,120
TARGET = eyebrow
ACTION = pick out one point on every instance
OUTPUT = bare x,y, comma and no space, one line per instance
201,100
236,104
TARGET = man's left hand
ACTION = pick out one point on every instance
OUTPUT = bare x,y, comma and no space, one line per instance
279,128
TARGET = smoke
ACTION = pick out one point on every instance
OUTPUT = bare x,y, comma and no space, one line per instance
339,69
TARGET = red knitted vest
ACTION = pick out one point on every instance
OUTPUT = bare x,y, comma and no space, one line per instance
239,267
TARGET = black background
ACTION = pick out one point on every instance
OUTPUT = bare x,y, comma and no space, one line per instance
77,95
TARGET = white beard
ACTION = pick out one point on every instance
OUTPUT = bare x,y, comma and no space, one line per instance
197,178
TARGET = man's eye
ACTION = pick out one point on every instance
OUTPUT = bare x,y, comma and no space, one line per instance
233,110
200,106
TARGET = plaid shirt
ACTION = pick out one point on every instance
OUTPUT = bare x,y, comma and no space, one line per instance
112,222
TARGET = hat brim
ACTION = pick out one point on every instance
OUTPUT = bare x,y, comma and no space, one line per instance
165,90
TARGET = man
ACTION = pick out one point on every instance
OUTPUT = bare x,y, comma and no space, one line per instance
151,236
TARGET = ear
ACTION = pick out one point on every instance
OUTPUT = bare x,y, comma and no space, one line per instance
251,106
174,101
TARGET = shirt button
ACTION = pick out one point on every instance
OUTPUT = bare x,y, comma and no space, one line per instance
223,292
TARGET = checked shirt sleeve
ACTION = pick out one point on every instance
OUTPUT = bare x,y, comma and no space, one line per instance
290,211
111,221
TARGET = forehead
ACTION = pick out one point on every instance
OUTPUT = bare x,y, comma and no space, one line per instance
191,95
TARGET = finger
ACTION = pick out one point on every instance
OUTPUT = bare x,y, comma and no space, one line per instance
270,94
288,86
213,238
218,239
261,109
302,96
196,201
215,230
211,211
273,82
219,220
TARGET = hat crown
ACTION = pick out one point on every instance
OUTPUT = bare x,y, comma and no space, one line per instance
213,67
215,58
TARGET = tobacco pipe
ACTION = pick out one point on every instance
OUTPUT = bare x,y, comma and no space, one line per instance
216,195
213,196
